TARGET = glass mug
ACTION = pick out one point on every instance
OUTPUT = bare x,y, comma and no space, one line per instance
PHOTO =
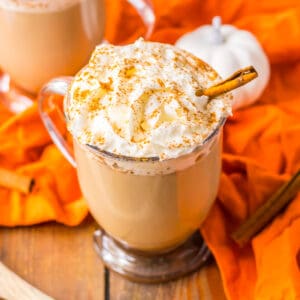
149,210
39,42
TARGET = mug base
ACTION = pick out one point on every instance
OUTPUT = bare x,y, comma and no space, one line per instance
138,267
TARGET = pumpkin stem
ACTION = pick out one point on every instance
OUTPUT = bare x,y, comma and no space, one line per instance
217,37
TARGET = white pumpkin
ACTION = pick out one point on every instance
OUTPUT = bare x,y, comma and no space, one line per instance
228,49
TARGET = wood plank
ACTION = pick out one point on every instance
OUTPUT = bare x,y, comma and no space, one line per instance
61,262
204,284
58,260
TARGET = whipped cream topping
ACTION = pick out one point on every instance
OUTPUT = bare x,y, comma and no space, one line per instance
139,100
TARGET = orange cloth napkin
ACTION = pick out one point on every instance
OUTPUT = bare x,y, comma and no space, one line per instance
261,148
26,147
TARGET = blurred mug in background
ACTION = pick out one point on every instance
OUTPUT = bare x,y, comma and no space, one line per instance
42,39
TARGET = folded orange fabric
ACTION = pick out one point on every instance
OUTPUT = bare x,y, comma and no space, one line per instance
261,149
25,147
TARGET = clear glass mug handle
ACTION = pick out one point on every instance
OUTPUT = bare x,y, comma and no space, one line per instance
57,86
146,12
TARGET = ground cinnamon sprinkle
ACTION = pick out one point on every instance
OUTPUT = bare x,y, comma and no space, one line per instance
145,94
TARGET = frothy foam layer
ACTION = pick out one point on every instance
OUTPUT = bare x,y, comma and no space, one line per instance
139,100
38,5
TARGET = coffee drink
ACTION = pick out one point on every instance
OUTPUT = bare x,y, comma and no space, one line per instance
41,39
150,213
147,147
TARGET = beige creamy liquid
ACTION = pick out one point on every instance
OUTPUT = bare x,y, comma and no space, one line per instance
44,39
150,213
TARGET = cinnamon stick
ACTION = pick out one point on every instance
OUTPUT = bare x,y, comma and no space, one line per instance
13,180
236,80
264,214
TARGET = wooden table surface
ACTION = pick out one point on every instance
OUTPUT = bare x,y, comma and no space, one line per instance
61,262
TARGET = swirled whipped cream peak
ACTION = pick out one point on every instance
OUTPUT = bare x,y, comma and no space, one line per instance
140,100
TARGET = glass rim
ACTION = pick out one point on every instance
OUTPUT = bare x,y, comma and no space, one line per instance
120,157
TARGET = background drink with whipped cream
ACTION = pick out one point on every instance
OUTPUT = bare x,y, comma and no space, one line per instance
41,39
